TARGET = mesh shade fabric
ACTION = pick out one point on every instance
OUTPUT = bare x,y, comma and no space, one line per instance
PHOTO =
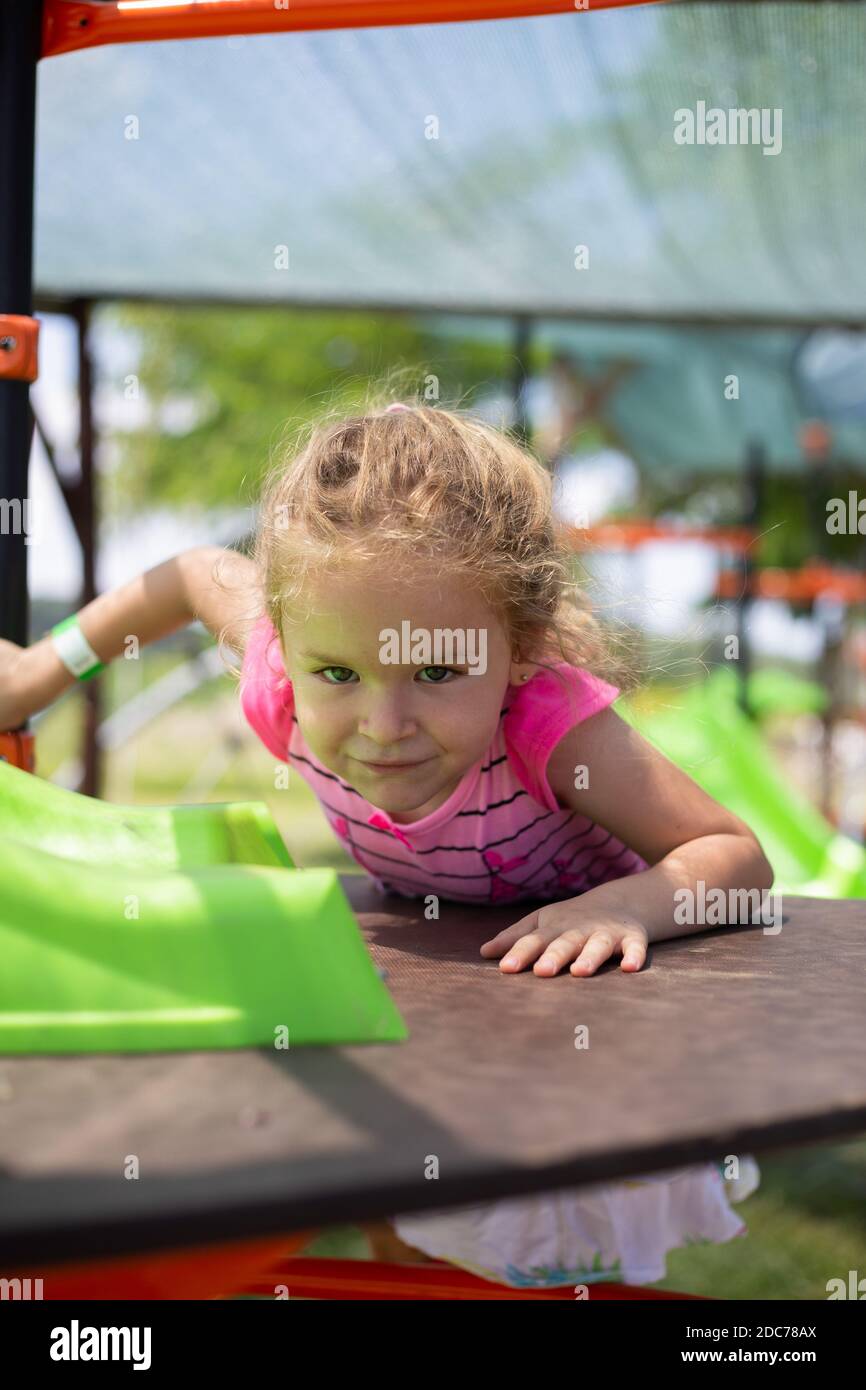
552,132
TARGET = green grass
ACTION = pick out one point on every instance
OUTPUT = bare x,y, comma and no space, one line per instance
806,1225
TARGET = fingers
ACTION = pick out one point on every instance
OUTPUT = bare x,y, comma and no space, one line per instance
568,946
585,949
633,953
601,946
525,951
541,937
498,945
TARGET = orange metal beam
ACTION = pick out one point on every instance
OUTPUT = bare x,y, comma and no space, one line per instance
71,24
628,535
217,1270
320,1277
19,749
798,586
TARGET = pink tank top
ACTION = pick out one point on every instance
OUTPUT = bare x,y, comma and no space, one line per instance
500,836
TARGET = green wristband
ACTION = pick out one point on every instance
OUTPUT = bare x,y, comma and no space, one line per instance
74,650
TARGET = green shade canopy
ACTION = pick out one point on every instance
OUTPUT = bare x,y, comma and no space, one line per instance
457,167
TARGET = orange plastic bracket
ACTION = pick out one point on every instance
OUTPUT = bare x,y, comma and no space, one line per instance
19,340
19,749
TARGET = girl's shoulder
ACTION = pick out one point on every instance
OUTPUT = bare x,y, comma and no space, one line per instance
542,711
266,695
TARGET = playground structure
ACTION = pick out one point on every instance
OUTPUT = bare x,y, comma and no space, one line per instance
708,735
181,977
833,590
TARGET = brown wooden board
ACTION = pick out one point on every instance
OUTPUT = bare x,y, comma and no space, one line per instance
728,1041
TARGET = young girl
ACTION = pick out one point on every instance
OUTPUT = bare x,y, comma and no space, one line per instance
394,541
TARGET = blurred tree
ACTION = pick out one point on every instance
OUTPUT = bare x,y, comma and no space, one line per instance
220,385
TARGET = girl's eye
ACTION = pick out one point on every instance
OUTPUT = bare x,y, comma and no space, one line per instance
447,671
441,679
326,669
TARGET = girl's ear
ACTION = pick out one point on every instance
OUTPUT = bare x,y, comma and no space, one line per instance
523,667
521,672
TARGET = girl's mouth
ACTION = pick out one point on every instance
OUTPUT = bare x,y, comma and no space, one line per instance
385,768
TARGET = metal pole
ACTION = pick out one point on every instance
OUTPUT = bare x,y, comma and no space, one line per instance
522,340
754,489
20,28
834,624
86,523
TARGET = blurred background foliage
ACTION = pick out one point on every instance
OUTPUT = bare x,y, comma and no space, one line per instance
222,386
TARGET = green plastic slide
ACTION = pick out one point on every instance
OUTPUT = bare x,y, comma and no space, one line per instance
149,837
129,929
706,733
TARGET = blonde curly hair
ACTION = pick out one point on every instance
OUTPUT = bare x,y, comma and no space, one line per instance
401,483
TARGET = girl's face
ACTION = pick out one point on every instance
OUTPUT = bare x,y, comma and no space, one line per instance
361,703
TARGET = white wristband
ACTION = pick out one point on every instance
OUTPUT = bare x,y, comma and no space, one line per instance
74,650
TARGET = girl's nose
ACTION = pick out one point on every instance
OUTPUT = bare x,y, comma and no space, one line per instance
386,722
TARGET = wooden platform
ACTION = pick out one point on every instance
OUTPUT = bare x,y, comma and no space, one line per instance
729,1041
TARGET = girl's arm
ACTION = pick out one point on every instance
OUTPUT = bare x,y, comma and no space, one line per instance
219,587
690,842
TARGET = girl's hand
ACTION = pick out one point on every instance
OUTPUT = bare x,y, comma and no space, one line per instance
12,712
570,931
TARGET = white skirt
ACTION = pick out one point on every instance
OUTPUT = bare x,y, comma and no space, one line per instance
612,1232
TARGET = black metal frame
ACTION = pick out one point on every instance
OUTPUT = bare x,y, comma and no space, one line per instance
20,36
